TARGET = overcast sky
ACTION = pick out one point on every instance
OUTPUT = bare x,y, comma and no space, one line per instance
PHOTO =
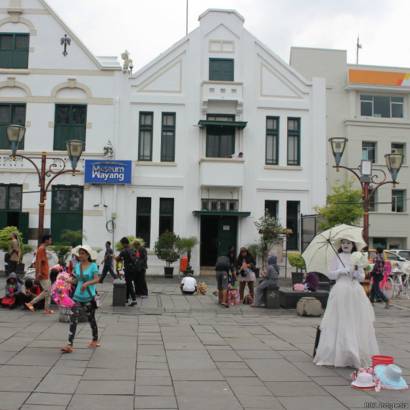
148,27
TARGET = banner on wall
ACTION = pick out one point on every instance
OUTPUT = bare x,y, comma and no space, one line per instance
108,172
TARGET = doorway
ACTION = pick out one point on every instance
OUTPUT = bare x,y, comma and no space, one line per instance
218,234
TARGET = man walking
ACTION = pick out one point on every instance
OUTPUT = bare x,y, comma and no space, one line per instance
377,275
128,258
42,276
108,262
14,254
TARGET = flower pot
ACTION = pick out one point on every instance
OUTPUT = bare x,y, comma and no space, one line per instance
169,271
297,277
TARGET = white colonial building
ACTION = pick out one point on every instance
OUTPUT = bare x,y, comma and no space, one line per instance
222,129
216,129
370,106
57,97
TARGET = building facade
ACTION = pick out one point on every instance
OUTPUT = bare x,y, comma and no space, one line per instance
370,106
217,129
57,97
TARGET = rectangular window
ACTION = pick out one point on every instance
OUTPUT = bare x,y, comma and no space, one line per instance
272,141
381,106
398,200
14,49
11,197
166,215
168,137
221,69
143,228
11,114
220,140
293,141
146,127
292,223
369,151
271,208
399,148
372,201
70,124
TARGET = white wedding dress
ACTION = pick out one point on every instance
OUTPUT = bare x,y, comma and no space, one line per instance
347,329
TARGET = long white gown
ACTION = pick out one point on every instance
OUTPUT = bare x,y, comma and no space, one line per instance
347,329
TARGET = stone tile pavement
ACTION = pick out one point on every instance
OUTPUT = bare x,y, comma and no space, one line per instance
184,352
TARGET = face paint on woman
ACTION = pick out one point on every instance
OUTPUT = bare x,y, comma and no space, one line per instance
346,246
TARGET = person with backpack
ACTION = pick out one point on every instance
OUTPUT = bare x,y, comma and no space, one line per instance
86,277
127,256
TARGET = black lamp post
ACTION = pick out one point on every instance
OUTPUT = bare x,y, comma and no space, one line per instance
370,178
15,134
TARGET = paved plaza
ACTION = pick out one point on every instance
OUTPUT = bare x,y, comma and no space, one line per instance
178,352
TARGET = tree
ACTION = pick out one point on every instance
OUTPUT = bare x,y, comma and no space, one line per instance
271,232
344,206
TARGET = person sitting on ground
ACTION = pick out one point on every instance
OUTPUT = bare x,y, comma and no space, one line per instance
13,292
31,290
188,285
223,266
269,281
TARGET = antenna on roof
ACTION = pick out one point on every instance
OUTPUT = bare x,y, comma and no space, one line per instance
358,47
186,19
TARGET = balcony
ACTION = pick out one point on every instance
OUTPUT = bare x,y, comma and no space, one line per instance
222,91
222,172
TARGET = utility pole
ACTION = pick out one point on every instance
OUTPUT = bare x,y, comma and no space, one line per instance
358,47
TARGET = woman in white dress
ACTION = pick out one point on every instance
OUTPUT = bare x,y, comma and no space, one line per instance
347,330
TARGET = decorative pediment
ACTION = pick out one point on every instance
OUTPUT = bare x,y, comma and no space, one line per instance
167,79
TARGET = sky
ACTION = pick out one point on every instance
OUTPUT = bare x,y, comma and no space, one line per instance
148,27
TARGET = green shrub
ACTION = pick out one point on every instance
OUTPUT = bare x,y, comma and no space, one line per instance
5,234
296,260
166,247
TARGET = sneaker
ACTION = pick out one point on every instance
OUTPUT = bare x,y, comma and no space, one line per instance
144,296
132,303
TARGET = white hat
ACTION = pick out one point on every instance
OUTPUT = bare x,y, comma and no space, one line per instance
390,377
89,250
364,380
75,250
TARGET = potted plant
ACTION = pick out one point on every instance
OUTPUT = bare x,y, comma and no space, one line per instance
185,245
296,260
166,250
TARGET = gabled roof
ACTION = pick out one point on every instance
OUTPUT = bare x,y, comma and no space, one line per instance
98,62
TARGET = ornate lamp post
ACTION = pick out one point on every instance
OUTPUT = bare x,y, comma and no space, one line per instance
15,134
370,178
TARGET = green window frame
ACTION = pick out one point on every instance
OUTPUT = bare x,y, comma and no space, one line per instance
272,141
70,123
14,50
11,197
369,151
166,215
294,141
272,208
146,129
398,203
11,114
399,148
221,69
168,137
220,140
143,228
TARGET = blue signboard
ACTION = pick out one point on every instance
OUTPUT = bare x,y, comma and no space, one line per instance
108,172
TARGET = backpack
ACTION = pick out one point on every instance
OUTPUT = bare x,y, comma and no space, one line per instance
7,257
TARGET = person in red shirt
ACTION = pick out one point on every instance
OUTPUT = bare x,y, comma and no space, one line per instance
42,276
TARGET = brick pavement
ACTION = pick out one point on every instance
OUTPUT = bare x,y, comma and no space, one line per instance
183,352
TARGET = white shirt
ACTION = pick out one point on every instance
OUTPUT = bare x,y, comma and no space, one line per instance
189,284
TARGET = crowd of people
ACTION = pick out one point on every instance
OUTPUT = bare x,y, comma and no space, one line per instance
347,335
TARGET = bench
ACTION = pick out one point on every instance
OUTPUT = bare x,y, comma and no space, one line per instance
288,298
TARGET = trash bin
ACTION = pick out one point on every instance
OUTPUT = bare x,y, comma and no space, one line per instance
119,294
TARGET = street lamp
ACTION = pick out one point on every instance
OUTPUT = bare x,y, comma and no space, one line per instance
15,134
370,178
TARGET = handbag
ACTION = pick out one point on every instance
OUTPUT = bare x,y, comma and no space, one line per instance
94,301
7,257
